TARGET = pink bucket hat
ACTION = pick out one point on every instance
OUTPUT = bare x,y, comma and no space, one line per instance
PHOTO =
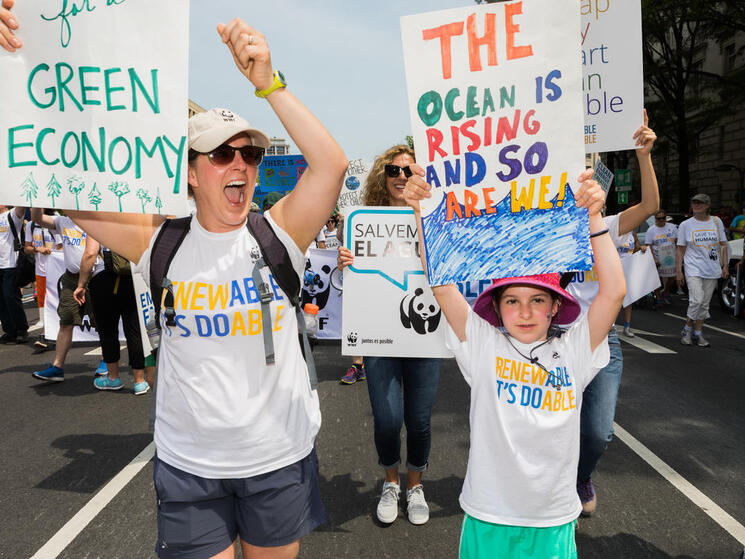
568,311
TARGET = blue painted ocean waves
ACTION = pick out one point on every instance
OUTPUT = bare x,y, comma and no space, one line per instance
504,244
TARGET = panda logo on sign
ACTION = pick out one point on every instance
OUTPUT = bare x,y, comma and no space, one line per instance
316,285
420,311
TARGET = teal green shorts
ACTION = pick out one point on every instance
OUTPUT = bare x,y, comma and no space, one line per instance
484,540
150,361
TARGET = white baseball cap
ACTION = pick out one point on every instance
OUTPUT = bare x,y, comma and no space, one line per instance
212,128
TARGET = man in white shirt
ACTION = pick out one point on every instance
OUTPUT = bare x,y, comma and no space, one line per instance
702,248
12,315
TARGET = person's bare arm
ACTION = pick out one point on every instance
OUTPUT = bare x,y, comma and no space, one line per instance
633,217
41,219
90,255
305,210
127,234
681,251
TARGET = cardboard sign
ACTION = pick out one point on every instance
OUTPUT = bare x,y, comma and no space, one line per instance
604,176
666,255
388,307
354,185
94,107
322,286
278,173
494,96
145,307
641,276
612,73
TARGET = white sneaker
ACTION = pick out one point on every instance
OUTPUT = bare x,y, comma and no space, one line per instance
627,332
685,339
701,342
388,505
417,509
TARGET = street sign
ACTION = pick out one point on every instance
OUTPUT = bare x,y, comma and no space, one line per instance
623,180
623,197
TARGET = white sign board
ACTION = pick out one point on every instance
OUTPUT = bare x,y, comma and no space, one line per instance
494,96
93,115
354,185
612,77
641,276
388,308
322,286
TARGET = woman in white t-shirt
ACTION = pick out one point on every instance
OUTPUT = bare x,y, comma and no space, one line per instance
235,436
701,240
519,495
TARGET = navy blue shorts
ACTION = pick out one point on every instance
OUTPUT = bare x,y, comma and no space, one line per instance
200,517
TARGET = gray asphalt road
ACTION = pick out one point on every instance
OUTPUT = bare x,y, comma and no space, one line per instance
62,442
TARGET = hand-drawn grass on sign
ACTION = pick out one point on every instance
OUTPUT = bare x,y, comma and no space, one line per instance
144,197
94,196
158,201
54,188
29,188
75,185
120,189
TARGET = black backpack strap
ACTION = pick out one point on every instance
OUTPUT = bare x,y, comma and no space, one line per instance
17,244
166,244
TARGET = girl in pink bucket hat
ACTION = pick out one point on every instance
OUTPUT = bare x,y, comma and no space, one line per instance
527,377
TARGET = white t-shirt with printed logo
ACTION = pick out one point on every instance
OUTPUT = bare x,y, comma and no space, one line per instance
701,239
662,241
41,237
584,285
522,463
8,254
73,244
222,412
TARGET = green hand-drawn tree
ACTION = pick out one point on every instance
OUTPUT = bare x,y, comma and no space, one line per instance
158,201
54,188
144,197
94,196
29,188
75,185
120,189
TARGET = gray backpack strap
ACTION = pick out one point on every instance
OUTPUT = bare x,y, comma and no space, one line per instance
265,297
312,375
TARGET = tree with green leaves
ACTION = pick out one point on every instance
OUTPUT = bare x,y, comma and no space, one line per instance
75,185
144,197
94,196
29,188
120,189
158,201
54,188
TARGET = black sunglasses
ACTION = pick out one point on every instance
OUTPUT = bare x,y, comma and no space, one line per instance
223,155
393,171
660,218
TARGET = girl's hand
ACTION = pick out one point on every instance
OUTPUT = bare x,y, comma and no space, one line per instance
250,52
8,24
416,188
590,194
644,137
345,258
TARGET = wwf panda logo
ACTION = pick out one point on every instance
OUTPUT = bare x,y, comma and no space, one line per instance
352,338
255,253
227,115
316,285
420,311
714,254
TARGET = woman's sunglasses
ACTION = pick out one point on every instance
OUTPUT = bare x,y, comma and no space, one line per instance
393,171
223,155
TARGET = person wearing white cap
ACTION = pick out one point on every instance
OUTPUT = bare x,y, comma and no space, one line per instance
235,436
702,249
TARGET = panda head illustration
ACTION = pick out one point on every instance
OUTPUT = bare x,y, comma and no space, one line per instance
255,253
420,312
352,338
316,285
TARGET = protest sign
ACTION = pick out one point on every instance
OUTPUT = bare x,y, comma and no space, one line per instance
86,332
94,107
278,173
145,307
354,185
604,176
666,255
494,95
322,286
641,276
388,307
612,73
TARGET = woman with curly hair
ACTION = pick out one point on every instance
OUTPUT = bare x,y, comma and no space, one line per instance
401,389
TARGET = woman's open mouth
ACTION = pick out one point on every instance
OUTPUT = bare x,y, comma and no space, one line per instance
235,192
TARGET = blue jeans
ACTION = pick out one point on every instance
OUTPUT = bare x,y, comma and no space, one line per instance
402,390
12,315
599,409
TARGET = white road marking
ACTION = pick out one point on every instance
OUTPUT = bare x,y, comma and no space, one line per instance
646,345
77,523
719,515
97,351
712,327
